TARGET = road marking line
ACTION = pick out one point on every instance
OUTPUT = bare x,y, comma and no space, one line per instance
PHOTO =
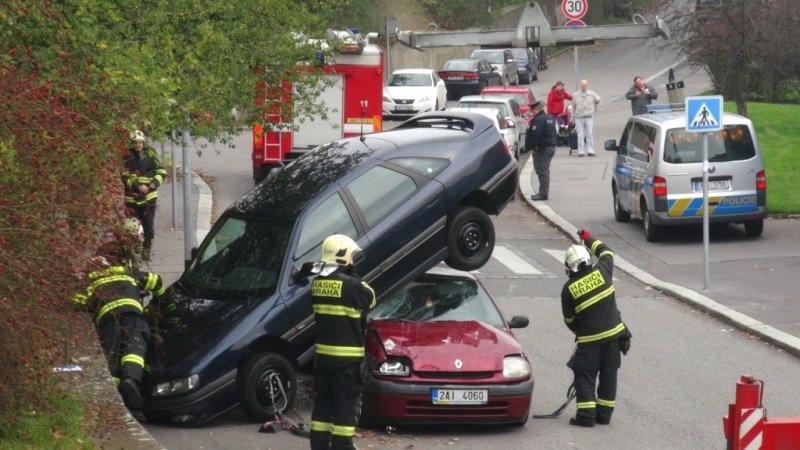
513,261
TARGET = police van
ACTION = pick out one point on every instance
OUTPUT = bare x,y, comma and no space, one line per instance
658,173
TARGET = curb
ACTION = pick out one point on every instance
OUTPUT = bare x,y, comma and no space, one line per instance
778,338
205,202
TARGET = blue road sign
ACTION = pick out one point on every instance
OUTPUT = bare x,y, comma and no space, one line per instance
703,113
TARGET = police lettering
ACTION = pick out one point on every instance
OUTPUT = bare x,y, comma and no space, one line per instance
739,200
592,281
326,288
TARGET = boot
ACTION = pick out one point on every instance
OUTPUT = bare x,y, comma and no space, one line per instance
146,251
129,389
575,421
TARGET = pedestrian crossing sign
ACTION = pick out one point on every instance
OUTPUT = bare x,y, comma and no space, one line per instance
703,113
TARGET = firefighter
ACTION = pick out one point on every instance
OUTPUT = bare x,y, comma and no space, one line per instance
114,297
590,311
339,299
142,177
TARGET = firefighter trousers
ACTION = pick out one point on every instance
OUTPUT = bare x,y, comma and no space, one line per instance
124,340
146,215
338,393
588,363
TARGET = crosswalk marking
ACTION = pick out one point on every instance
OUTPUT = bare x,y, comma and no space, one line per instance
559,255
513,261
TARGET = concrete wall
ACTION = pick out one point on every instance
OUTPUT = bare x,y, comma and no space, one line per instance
403,57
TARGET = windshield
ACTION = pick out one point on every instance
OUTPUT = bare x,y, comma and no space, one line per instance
520,54
459,64
733,143
410,79
492,57
242,257
439,300
500,107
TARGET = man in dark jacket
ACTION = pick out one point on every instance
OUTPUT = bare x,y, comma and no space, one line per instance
143,175
339,299
541,141
590,311
640,94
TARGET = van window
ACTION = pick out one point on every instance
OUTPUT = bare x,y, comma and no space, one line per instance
733,143
379,191
643,139
330,217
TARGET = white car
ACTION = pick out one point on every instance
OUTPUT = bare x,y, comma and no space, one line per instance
508,108
503,125
409,92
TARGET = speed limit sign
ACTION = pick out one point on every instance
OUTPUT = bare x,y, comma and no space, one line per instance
574,9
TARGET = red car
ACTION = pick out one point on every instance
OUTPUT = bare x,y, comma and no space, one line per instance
521,94
439,351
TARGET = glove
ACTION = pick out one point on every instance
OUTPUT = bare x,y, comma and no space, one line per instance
584,235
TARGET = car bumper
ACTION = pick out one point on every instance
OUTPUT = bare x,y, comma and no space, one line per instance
394,402
390,109
195,407
463,87
664,219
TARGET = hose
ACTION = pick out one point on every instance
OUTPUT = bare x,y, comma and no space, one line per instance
560,410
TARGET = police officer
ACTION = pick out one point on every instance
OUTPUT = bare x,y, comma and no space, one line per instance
339,299
114,297
143,175
541,141
590,311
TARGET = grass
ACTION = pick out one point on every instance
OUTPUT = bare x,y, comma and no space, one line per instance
778,132
62,425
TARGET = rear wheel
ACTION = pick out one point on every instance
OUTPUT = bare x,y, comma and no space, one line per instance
470,238
754,227
651,232
265,382
619,214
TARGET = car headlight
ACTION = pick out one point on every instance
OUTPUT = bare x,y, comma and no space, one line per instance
177,386
395,368
424,99
387,99
516,367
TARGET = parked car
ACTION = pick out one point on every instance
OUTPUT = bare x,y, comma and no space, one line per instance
506,127
658,174
467,76
506,105
439,351
527,64
521,94
410,197
503,61
412,91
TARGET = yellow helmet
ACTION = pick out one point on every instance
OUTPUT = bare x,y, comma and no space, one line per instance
137,136
577,257
339,249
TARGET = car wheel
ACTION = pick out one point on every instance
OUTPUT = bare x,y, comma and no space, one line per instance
364,416
265,381
470,238
754,227
620,214
260,173
651,232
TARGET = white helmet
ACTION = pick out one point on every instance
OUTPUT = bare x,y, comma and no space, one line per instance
339,249
137,136
577,257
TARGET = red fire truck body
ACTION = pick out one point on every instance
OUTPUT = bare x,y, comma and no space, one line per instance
353,101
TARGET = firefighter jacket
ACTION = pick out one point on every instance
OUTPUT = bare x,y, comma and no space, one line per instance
142,168
542,132
588,302
339,300
117,289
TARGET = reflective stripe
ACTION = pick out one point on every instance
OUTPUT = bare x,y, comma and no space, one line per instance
115,380
586,405
152,195
599,336
144,180
80,299
324,427
133,359
607,252
595,244
337,310
343,431
606,403
592,300
118,304
340,351
372,304
110,279
569,319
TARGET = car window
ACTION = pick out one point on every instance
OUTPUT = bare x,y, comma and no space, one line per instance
495,57
623,141
643,139
459,65
430,167
733,143
380,190
410,79
500,107
330,217
515,107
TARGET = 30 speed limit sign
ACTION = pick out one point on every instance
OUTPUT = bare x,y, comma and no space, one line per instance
574,9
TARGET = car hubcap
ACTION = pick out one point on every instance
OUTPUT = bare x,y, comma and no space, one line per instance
271,391
471,239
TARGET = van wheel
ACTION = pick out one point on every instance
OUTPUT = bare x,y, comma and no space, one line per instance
620,214
651,232
265,381
470,238
754,227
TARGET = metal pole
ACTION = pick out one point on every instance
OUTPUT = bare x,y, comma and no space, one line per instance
174,180
388,53
575,53
188,227
705,212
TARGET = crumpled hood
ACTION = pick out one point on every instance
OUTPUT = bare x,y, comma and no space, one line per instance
435,346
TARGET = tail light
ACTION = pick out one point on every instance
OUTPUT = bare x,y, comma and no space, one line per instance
471,76
258,138
506,148
659,187
761,180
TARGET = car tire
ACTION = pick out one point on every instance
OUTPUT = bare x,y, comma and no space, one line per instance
261,172
619,214
470,238
651,232
365,419
754,228
252,385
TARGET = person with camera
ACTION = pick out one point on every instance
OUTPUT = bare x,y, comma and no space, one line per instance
640,95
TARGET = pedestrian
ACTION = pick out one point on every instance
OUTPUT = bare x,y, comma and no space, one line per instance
585,103
540,140
114,297
142,177
640,94
590,311
339,299
555,100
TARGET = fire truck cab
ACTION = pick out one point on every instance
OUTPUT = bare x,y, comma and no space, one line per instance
352,98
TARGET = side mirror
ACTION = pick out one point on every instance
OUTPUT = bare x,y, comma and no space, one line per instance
303,273
510,61
193,252
518,322
611,145
510,123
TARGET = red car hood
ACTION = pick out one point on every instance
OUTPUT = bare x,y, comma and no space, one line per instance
435,346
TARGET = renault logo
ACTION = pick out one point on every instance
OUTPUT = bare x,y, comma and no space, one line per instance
459,364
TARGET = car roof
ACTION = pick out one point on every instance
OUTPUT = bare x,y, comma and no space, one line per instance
401,71
677,119
472,60
486,98
513,89
491,113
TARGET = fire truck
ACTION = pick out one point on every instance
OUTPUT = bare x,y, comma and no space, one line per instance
352,98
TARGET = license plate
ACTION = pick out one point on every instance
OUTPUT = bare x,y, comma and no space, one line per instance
714,185
405,107
459,396
455,78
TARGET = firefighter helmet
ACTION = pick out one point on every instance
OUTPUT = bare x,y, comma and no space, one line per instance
137,136
339,249
577,257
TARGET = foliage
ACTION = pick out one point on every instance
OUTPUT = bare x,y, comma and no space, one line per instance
460,14
60,425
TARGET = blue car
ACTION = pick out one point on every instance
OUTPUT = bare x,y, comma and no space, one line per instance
241,317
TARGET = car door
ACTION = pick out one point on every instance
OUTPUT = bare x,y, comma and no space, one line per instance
519,120
488,74
622,170
640,146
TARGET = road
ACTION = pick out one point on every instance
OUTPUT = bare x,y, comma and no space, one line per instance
680,375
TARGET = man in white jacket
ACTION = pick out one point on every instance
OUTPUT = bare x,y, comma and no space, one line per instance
585,103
